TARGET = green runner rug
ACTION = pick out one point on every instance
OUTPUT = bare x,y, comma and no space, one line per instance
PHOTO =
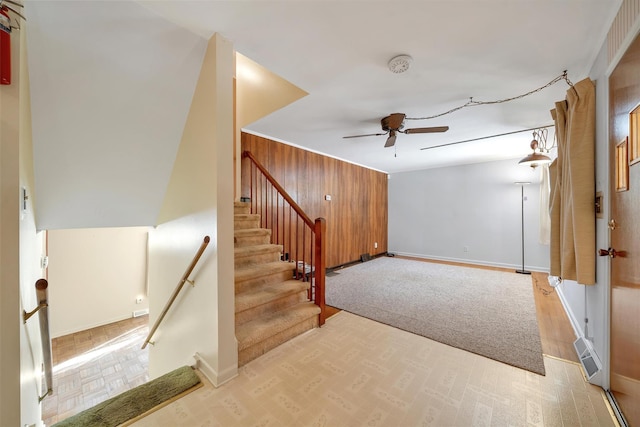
134,402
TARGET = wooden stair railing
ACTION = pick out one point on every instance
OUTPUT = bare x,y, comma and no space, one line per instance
45,338
185,278
303,240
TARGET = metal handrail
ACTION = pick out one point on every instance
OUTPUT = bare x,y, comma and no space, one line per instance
185,278
282,225
45,338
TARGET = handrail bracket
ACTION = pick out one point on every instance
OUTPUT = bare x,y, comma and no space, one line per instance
26,316
41,398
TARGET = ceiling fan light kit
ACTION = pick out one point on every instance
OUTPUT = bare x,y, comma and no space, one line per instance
400,64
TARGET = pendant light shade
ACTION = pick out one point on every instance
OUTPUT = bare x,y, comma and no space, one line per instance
537,158
534,159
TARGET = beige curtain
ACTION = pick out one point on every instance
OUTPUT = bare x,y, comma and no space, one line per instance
544,234
572,179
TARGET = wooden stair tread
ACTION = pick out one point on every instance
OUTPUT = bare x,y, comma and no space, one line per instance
251,271
263,295
257,330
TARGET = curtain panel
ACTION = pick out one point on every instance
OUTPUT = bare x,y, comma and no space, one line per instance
572,181
544,234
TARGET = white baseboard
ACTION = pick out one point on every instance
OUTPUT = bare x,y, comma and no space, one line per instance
214,377
575,324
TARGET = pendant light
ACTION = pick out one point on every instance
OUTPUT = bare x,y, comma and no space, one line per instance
537,158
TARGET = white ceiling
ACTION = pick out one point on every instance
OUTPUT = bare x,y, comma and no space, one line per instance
111,83
338,52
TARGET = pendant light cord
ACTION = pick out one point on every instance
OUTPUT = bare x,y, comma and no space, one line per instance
472,103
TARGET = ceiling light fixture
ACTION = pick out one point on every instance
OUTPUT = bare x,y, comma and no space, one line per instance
400,64
539,142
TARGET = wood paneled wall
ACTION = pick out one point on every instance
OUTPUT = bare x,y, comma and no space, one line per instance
357,213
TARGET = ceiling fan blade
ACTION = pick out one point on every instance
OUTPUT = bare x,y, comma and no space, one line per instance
391,140
427,130
368,134
394,121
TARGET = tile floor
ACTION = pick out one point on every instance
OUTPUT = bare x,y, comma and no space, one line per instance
92,366
356,372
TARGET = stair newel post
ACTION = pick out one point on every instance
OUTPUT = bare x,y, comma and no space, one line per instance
320,258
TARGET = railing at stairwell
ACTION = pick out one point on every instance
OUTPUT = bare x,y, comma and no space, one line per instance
45,338
183,280
302,239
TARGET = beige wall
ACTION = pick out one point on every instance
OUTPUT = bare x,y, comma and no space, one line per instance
259,92
95,276
199,202
31,250
9,251
20,249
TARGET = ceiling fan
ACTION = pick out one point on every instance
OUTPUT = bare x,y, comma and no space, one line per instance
394,123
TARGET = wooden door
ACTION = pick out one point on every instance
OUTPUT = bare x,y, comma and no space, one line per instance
624,85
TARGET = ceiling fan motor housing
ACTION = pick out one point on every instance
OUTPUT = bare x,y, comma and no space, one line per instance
393,122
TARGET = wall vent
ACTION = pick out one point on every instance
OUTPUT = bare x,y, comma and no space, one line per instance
588,358
138,313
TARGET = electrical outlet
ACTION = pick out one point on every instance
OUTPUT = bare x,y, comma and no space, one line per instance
375,245
465,248
139,300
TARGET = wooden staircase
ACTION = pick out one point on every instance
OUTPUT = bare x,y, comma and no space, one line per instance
271,307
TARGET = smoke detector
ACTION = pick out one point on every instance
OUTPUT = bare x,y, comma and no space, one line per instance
400,64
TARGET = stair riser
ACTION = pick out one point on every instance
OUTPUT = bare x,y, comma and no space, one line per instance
257,350
244,223
245,261
241,209
268,279
270,307
242,241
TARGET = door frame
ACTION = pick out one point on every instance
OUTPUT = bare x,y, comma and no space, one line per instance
603,231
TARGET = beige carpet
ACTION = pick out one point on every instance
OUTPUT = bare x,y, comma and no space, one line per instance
490,313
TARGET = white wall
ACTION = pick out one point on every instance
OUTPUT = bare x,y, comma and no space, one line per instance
95,276
436,213
199,202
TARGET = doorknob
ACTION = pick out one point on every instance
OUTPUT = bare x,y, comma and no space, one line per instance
612,253
612,224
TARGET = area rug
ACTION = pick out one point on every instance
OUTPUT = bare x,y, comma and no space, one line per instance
487,312
134,402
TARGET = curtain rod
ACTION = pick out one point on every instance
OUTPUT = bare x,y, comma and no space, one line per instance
487,137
